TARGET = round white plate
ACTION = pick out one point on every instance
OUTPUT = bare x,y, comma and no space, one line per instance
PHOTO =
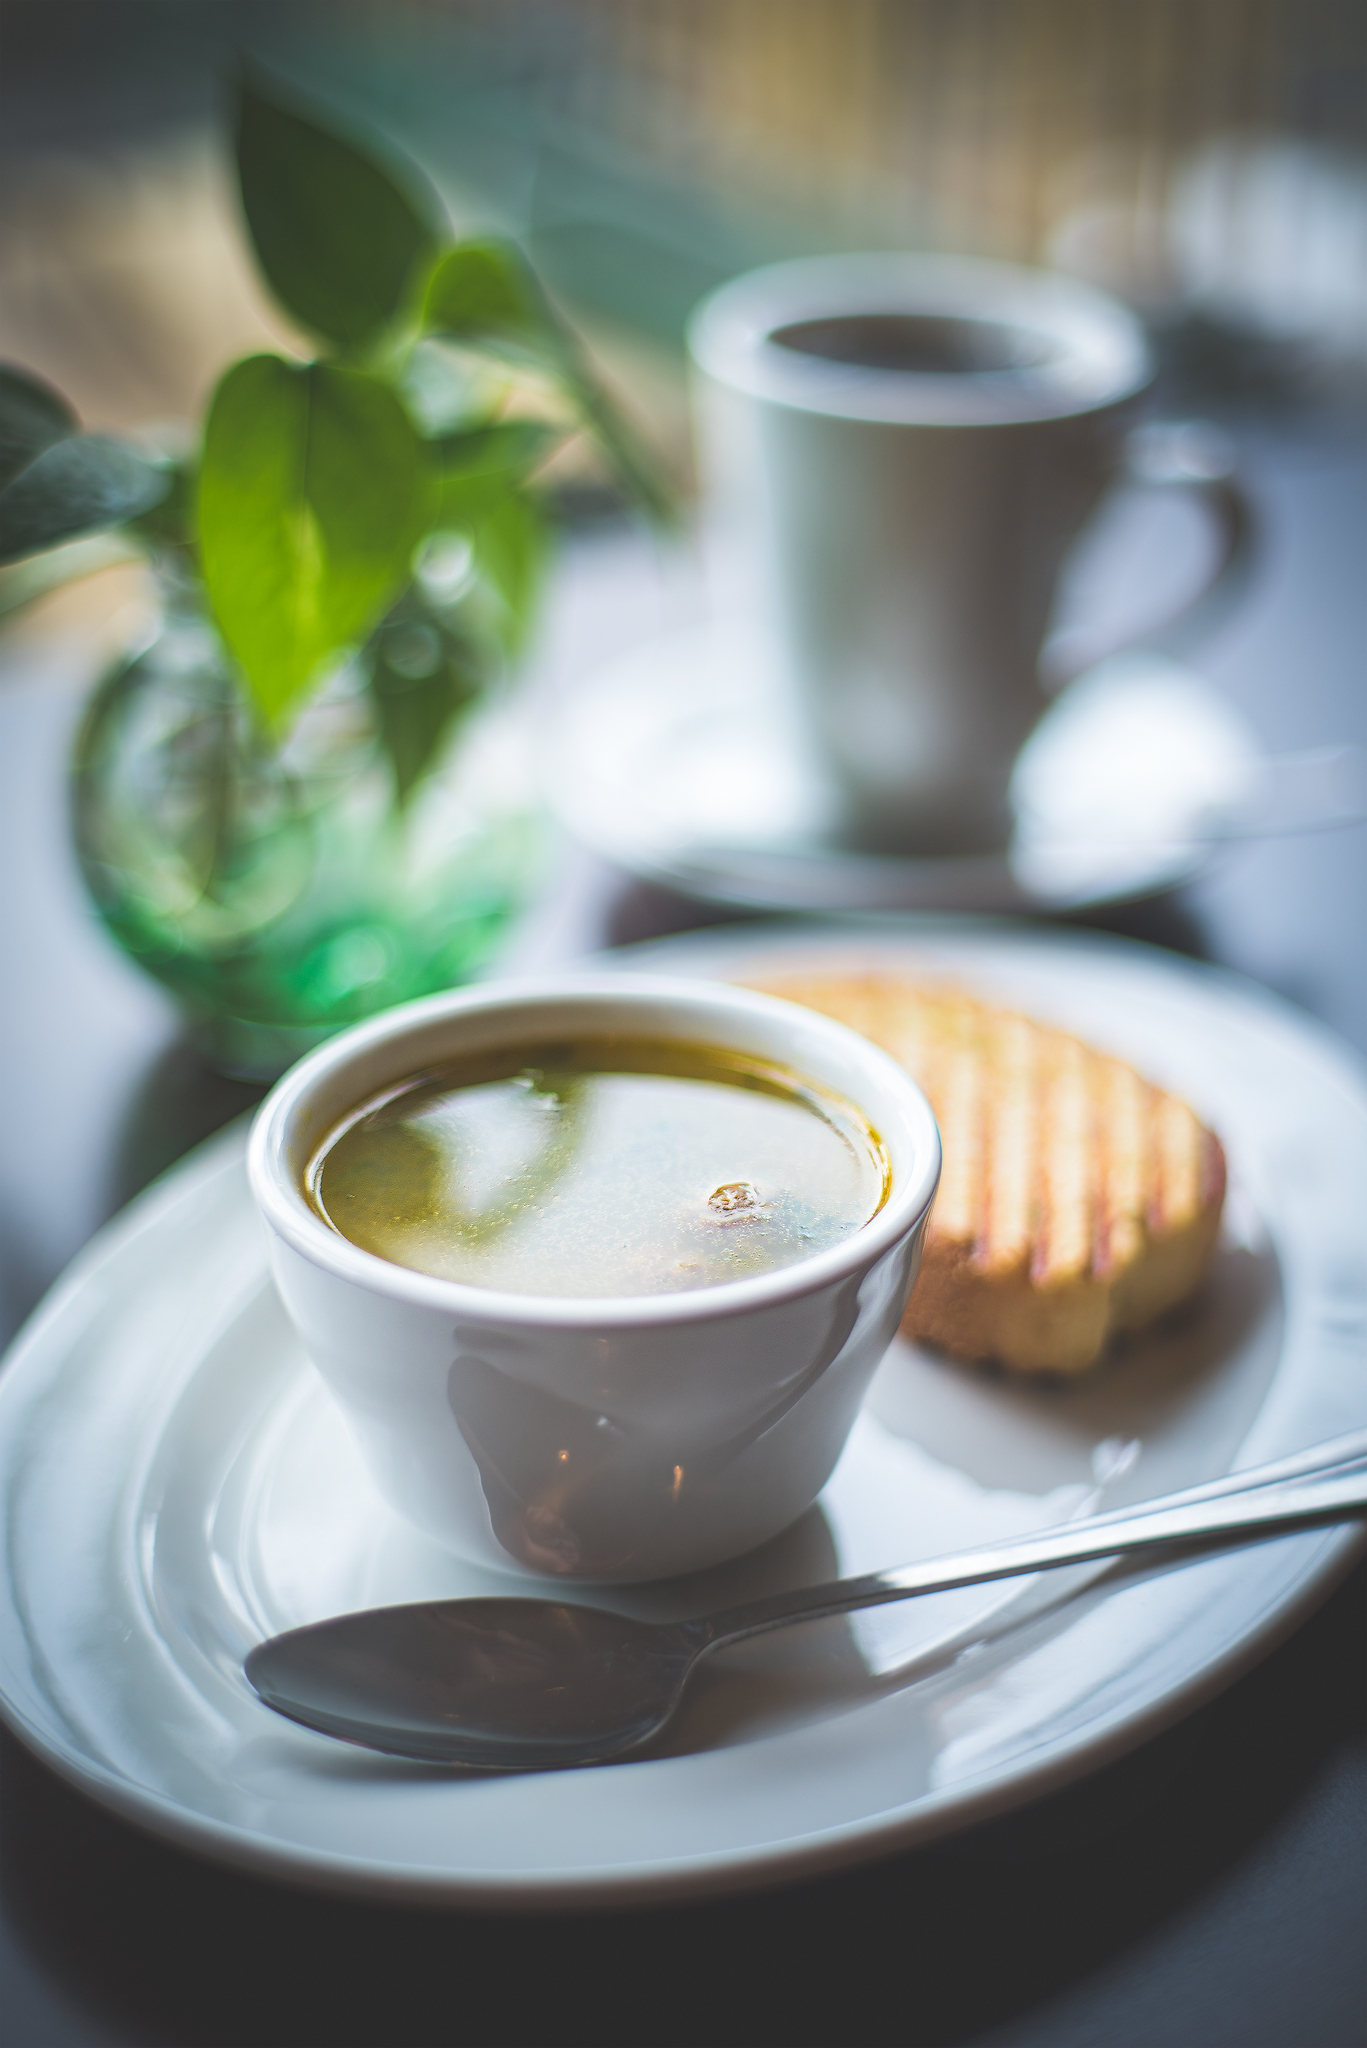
178,1484
681,760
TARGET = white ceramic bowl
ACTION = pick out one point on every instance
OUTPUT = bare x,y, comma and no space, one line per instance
596,1439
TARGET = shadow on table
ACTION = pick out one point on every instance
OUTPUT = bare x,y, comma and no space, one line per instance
642,910
1205,1891
179,1102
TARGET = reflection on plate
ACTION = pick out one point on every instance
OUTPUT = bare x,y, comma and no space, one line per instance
178,1484
681,762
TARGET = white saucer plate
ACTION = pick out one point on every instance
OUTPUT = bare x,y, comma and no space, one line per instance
178,1484
681,761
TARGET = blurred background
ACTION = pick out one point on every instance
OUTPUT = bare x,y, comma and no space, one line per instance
1205,158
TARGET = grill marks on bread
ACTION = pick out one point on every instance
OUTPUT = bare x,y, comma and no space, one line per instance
1076,1198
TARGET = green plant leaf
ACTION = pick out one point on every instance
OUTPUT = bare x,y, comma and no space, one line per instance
511,545
171,522
314,491
76,485
480,466
32,417
507,448
340,234
486,295
421,677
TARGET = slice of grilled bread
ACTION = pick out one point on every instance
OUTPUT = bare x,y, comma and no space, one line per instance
1076,1198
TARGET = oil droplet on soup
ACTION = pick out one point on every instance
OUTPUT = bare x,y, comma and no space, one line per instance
605,1166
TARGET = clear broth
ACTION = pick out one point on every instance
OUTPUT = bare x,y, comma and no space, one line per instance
600,1167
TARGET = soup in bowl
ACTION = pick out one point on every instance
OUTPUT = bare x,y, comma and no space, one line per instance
598,1268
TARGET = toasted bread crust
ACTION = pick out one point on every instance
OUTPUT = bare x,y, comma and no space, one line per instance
1076,1200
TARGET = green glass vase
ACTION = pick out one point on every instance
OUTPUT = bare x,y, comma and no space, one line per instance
283,891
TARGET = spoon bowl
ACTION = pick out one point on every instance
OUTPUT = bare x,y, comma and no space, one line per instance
507,1684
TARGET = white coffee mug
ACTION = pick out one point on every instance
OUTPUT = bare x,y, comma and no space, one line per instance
916,442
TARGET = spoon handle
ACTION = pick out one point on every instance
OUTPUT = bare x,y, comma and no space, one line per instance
1327,1484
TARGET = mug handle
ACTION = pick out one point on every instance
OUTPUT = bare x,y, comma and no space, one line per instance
1192,455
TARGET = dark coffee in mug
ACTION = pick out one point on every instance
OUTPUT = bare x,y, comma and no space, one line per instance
921,344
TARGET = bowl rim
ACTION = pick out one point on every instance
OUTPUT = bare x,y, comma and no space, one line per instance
283,1206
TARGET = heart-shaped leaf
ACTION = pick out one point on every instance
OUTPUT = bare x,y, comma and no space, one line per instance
32,417
340,234
486,292
76,485
314,491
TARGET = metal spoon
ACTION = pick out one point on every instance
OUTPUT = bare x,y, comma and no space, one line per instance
514,1684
